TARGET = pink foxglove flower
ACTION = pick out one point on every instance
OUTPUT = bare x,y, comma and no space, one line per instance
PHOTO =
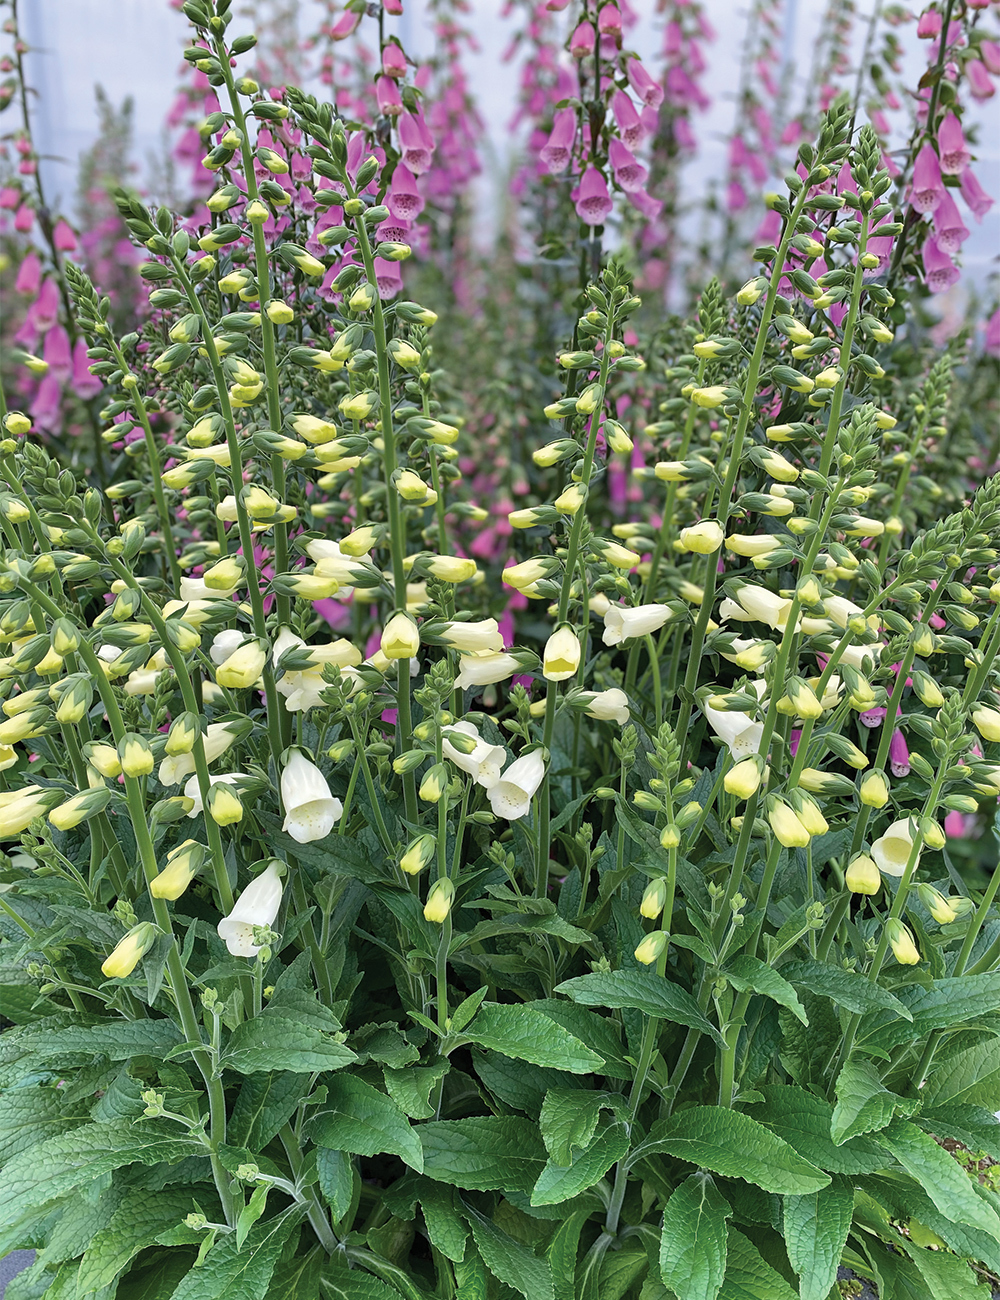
417,143
394,7
24,219
929,25
344,27
631,128
593,202
646,87
393,60
57,353
955,157
628,171
388,97
84,383
45,308
949,228
975,196
899,754
927,184
63,237
388,277
980,85
991,342
558,149
404,200
609,22
581,43
29,275
940,271
989,52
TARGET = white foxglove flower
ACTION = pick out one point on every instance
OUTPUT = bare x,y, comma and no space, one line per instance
472,638
765,606
198,589
484,670
225,643
257,905
303,688
561,657
738,730
483,764
175,767
192,790
311,811
608,706
511,797
891,850
621,623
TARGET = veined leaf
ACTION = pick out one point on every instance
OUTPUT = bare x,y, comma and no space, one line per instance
644,991
864,1105
228,1273
276,1043
815,1230
846,988
694,1240
940,1175
483,1153
746,972
528,1035
748,1277
557,1183
135,1224
804,1121
509,1261
360,1119
569,1118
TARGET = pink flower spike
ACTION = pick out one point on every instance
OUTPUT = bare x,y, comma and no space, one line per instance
648,90
975,196
63,237
899,754
955,157
940,271
628,171
980,85
29,275
949,228
609,22
393,60
927,184
630,126
404,200
558,149
388,277
593,202
581,43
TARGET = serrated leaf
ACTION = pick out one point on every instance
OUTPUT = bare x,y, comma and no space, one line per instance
360,1119
940,1175
411,1088
118,1040
521,1032
973,1126
445,1227
156,1276
600,1033
298,1279
946,1277
748,1277
509,1261
846,988
134,1225
730,1143
557,1183
815,1231
228,1273
864,1104
746,972
483,1153
340,1284
569,1118
944,1005
619,1269
472,1277
804,1121
274,1043
562,1253
336,1179
970,1075
693,1242
31,1114
643,991
265,1103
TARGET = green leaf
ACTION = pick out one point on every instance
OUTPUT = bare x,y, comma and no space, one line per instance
748,1277
298,1279
509,1261
157,1275
906,1199
940,1175
472,1277
973,1126
947,1278
568,1120
557,1183
600,1033
336,1179
274,1043
815,1231
444,1224
135,1224
483,1153
694,1238
969,1074
845,987
619,1269
360,1119
68,1161
118,1040
804,1121
864,1105
251,1213
339,1284
265,1103
644,991
732,1144
411,1088
562,1253
31,1114
944,1005
228,1273
746,972
527,1035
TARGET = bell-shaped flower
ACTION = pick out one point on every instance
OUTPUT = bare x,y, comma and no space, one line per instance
626,168
862,876
622,623
950,230
901,941
608,706
311,811
242,669
400,637
483,762
593,202
891,851
928,186
765,606
217,739
192,791
511,797
558,149
257,906
561,657
183,864
471,637
129,951
703,538
737,730
646,87
485,670
788,828
955,156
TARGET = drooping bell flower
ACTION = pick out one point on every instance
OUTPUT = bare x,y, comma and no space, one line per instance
581,43
955,157
393,60
558,149
417,143
511,796
989,52
404,200
927,183
345,26
929,25
628,171
630,125
991,341
387,96
899,754
311,811
63,237
45,308
974,195
940,272
593,202
609,22
257,906
24,219
388,278
57,353
646,87
647,205
29,274
949,228
980,85
85,384
394,7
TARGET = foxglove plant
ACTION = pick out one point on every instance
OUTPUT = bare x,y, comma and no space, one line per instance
362,941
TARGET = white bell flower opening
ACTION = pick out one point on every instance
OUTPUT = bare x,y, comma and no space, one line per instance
257,905
738,730
311,811
483,764
621,623
511,797
892,849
